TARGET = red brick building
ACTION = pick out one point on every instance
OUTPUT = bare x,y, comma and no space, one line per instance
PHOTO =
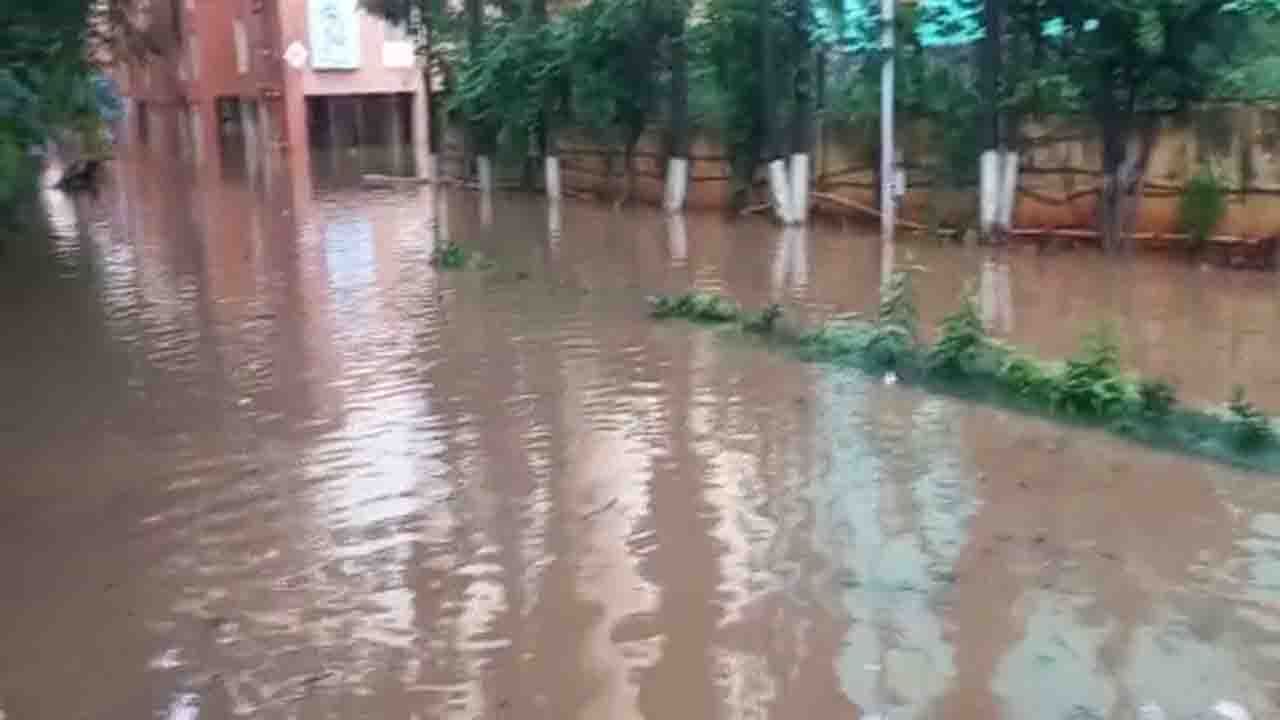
236,81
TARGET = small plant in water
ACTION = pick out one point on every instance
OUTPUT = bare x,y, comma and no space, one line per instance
705,307
1156,398
1091,384
764,321
961,343
1027,378
1252,427
1201,207
839,339
894,337
450,256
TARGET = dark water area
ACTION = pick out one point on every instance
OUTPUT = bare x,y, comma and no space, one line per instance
260,459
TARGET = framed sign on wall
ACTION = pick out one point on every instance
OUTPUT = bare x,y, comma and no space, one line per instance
334,28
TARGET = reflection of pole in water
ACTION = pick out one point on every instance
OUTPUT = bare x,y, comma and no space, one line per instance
995,297
554,224
486,207
791,262
677,240
439,217
887,251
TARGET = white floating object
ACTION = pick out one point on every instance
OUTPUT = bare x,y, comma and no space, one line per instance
184,706
1228,710
1151,711
891,378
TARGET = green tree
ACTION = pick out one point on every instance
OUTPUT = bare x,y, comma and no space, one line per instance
48,56
1127,63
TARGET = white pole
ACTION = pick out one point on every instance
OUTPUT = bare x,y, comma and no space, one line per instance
887,153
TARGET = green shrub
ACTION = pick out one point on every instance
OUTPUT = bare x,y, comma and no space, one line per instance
1091,384
1156,398
1027,378
1251,427
894,338
450,256
764,321
704,307
898,305
961,343
838,339
1201,206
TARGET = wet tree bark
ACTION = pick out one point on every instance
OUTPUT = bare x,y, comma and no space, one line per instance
678,142
1127,140
774,151
802,116
991,160
544,133
1124,176
480,140
819,108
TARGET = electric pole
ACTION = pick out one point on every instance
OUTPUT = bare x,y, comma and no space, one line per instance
888,171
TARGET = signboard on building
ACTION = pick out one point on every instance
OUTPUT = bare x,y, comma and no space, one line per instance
334,27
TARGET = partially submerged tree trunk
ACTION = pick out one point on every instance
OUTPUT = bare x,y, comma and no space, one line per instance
678,150
1126,156
480,140
991,161
634,131
1128,137
545,132
802,119
774,154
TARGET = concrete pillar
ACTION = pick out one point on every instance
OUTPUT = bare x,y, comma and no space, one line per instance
249,129
395,131
333,118
424,165
359,103
267,135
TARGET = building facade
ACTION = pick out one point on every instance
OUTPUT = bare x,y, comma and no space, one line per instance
245,81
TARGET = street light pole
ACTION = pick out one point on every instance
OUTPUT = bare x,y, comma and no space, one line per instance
888,171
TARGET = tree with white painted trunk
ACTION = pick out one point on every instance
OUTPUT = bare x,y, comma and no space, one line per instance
801,21
677,180
775,156
1132,63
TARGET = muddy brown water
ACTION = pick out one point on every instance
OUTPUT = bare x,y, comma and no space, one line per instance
261,460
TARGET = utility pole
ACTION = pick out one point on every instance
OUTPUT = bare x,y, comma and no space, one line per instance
888,171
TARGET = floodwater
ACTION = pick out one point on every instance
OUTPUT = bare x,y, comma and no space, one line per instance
261,460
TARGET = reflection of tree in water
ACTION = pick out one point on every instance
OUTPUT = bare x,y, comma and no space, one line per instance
1081,569
896,509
